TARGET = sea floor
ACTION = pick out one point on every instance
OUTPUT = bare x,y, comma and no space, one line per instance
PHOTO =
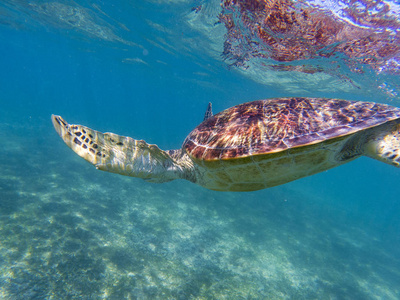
68,231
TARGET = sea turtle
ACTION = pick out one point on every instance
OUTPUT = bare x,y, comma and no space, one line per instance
251,146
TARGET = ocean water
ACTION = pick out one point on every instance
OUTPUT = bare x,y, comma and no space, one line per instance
147,69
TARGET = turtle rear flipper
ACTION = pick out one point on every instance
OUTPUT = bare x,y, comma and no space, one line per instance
119,154
384,145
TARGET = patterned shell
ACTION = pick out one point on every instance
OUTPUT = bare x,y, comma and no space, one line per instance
274,125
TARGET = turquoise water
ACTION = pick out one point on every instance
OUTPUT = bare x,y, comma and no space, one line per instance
147,70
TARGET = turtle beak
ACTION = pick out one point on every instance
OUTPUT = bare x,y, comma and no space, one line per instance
58,123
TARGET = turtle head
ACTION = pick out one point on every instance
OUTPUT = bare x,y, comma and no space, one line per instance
124,155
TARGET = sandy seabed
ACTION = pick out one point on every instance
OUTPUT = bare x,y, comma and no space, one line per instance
68,231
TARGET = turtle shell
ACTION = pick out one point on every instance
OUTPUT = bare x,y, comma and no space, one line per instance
274,125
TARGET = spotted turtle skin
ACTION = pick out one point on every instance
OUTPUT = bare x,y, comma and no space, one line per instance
274,125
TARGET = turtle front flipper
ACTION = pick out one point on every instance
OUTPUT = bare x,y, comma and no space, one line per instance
209,112
384,143
119,154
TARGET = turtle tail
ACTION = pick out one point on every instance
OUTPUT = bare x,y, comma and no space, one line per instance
384,143
119,154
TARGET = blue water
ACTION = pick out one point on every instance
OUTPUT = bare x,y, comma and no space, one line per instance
148,70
